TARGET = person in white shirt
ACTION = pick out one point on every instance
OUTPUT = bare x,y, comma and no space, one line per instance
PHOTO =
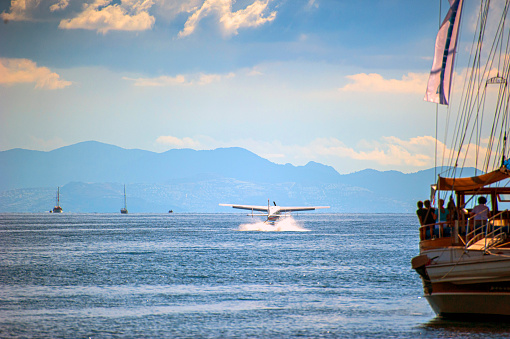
481,214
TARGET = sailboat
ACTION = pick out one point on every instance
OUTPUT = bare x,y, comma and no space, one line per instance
464,260
57,208
124,210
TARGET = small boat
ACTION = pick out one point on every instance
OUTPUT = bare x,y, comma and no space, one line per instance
124,210
171,211
464,259
57,208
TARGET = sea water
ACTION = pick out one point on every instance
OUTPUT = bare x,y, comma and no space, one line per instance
216,276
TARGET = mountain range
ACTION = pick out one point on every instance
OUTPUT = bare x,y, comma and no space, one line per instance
91,176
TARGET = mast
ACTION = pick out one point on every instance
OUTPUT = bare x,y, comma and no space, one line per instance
437,110
57,208
478,140
124,210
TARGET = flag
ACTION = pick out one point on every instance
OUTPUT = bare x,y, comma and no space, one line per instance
440,79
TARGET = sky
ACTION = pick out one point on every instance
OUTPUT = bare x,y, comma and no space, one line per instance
339,82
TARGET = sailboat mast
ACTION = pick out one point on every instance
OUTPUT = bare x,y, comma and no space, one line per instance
437,110
125,205
58,196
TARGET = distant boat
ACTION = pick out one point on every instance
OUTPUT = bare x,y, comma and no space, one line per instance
124,210
57,208
171,211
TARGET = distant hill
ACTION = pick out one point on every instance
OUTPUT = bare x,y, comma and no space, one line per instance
97,162
91,176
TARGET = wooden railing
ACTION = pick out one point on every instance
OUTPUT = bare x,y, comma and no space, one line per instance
467,230
488,229
442,230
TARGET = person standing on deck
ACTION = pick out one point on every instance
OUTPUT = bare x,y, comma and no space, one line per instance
430,216
452,211
442,217
430,219
481,214
421,213
442,213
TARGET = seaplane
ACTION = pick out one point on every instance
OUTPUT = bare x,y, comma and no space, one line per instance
273,213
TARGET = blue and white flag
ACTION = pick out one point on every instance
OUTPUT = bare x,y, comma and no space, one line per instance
440,79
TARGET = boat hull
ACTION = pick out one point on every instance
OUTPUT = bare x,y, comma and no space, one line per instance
454,305
459,282
458,266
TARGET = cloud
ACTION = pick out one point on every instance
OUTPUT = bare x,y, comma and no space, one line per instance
393,152
47,144
312,4
389,152
180,80
16,71
175,142
171,9
20,10
32,10
62,4
159,81
129,15
230,22
411,83
205,79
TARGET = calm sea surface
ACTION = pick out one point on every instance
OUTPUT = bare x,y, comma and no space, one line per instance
216,276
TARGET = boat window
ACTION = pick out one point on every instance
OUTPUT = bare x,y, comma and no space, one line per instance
504,197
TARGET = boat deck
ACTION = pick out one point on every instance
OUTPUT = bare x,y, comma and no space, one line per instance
494,232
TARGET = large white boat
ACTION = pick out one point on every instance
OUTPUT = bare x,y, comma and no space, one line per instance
465,265
464,260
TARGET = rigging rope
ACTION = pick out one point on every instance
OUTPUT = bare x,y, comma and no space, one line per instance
469,129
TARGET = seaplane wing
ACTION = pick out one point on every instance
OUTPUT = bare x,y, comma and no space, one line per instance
247,207
274,209
297,209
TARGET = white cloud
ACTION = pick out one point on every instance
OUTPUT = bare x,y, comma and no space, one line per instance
175,142
416,153
230,22
20,10
411,83
16,71
103,16
312,4
62,4
205,79
47,144
179,80
171,9
391,152
159,81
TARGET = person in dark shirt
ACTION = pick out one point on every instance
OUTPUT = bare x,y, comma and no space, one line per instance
421,212
430,217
